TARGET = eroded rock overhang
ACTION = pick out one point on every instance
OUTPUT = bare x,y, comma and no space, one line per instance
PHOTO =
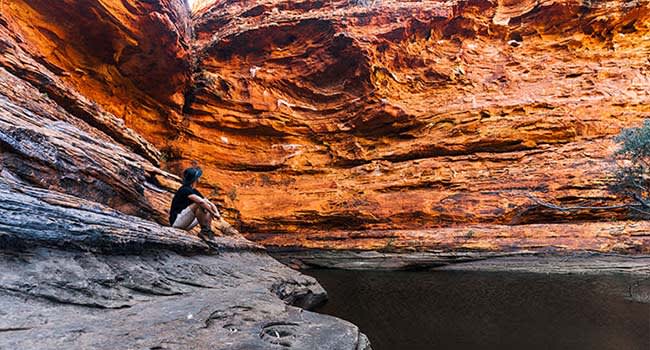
359,124
423,125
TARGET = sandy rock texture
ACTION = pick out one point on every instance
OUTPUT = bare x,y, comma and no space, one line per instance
361,118
88,92
78,275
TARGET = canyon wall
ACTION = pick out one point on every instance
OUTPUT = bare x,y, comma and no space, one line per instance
80,83
131,58
340,124
408,124
89,92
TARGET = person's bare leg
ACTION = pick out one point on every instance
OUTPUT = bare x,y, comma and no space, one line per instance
205,219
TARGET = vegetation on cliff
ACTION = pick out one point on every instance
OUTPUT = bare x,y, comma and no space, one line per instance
633,175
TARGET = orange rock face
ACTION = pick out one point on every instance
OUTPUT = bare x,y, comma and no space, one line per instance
366,116
71,74
130,57
362,124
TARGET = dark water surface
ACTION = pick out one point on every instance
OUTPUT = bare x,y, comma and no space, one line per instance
487,310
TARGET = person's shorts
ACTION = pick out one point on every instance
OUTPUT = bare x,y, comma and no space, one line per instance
186,219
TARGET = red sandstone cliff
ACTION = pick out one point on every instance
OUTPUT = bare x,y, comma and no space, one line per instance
129,57
89,92
351,124
365,116
81,82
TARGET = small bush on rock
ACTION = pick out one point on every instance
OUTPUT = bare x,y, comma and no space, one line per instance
633,174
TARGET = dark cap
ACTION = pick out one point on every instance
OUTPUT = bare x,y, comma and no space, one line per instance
191,174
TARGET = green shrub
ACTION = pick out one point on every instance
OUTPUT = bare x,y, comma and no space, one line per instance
633,174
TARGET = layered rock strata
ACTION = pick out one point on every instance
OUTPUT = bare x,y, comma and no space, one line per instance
131,58
79,275
60,130
409,122
85,262
326,122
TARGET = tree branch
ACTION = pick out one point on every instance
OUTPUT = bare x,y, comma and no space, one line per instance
559,208
640,199
640,211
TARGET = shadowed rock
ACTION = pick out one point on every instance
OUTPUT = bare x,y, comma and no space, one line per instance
367,117
352,116
84,259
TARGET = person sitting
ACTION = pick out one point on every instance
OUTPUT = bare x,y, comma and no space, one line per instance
190,208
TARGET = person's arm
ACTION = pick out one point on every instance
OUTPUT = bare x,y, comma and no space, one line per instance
216,211
205,204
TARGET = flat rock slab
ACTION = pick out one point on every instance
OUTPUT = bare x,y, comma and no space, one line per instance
75,274
564,264
56,299
518,261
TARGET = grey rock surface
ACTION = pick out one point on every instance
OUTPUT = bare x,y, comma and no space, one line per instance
75,274
55,299
522,261
585,263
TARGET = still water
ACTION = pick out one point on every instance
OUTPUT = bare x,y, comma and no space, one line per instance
454,310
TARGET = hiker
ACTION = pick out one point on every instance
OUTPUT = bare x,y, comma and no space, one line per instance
190,208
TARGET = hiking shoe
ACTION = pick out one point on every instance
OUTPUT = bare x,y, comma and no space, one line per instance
206,234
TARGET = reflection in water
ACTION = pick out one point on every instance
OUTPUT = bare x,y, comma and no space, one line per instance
481,310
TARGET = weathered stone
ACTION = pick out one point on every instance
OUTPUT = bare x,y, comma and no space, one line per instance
391,115
84,260
129,57
624,237
369,116
579,263
46,146
53,299
77,274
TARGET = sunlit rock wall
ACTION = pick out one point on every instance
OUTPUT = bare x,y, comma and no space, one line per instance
356,117
89,92
344,124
